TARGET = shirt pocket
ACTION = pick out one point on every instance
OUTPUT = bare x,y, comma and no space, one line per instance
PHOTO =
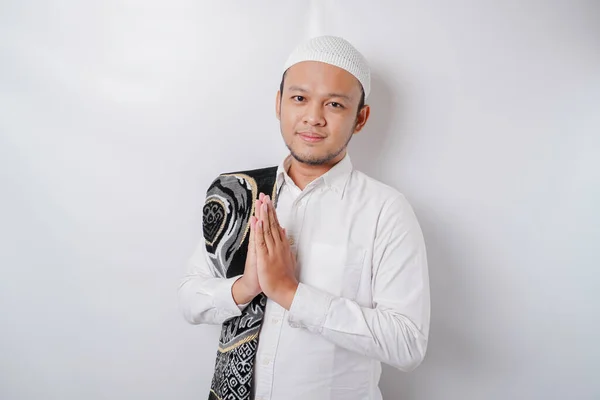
336,269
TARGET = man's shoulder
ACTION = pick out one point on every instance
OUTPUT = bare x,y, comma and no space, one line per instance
366,185
379,197
254,173
260,179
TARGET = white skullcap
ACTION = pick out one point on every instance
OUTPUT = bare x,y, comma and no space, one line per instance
335,51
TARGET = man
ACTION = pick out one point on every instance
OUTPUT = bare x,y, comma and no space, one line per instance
317,272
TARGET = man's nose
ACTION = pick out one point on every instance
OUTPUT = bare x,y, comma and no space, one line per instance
314,115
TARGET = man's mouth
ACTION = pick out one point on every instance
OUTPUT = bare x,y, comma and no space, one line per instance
310,137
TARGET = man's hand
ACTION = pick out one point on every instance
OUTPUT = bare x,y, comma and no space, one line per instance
247,287
276,265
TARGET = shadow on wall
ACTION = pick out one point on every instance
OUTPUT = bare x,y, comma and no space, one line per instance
368,145
448,351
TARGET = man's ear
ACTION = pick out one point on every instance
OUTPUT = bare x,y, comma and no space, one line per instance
362,117
278,105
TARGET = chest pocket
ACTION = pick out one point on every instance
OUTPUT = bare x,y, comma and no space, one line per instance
333,268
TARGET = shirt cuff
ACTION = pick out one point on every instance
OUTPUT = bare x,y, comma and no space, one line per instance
223,298
309,308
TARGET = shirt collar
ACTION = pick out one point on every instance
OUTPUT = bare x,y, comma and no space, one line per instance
335,179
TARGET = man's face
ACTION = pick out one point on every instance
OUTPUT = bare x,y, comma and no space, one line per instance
318,112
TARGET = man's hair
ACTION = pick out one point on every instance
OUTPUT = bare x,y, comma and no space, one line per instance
361,103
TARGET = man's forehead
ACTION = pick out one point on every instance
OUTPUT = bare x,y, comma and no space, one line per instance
320,76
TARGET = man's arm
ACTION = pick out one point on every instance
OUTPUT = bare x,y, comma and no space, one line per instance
204,298
396,330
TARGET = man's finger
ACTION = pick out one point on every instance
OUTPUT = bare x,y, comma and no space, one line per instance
272,205
266,226
273,221
251,239
257,204
283,236
261,247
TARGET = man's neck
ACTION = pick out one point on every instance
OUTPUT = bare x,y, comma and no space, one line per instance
302,174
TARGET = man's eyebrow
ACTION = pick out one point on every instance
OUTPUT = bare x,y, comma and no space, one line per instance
297,89
302,90
342,96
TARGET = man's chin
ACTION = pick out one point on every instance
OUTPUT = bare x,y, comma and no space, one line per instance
311,159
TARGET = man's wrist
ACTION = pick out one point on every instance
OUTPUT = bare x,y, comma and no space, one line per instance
241,293
285,296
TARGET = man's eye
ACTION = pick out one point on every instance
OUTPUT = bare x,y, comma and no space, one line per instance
298,98
336,105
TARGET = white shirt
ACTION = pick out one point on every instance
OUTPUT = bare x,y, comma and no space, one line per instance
363,296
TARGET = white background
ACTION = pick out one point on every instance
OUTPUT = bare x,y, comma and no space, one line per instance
116,115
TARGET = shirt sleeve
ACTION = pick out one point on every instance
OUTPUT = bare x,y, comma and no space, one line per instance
395,331
203,297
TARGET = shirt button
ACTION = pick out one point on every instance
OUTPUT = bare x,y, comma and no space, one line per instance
265,361
275,320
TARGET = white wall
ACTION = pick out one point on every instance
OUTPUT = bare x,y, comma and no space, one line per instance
116,115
